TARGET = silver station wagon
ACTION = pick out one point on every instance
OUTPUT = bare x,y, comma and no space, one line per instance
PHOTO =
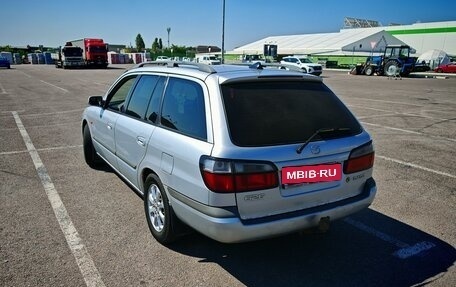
237,153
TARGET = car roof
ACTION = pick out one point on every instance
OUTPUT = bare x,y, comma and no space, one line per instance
223,72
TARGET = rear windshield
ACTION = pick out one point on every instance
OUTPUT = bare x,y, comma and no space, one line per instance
284,112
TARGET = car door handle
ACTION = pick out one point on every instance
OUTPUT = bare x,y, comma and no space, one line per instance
141,141
109,126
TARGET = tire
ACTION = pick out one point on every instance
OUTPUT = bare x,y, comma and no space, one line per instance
369,71
392,68
304,70
91,157
159,214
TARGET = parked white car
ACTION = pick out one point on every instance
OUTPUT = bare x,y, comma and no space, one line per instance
238,153
162,58
253,58
304,63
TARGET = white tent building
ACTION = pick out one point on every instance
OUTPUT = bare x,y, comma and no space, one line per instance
345,42
427,36
362,41
434,58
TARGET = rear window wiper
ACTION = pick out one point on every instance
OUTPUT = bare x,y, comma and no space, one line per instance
320,132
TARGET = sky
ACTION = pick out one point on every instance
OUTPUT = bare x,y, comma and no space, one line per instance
198,22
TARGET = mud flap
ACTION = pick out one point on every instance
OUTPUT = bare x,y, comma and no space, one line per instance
322,227
324,224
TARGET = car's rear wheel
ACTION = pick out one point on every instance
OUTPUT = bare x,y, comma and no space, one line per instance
90,155
159,214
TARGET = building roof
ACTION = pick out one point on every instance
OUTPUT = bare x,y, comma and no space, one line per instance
207,49
343,41
358,40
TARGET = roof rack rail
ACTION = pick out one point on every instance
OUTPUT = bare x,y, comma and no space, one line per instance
174,64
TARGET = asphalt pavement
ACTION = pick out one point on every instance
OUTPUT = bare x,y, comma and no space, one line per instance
65,224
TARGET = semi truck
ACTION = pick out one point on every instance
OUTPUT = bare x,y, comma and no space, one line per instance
68,56
94,51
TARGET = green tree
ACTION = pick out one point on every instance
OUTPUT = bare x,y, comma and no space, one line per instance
140,43
155,46
160,44
6,48
179,50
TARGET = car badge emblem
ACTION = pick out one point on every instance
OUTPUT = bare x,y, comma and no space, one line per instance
314,149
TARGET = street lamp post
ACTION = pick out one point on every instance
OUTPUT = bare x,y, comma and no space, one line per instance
168,30
223,33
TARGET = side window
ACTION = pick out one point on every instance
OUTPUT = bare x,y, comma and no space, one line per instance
140,98
183,108
388,52
154,105
117,98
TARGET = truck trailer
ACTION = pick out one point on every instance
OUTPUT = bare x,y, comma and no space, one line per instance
94,51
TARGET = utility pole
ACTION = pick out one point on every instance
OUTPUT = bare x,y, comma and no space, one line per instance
168,30
223,34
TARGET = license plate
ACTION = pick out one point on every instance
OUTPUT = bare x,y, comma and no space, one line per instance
311,173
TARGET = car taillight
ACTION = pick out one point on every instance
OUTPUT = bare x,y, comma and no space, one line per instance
221,175
360,158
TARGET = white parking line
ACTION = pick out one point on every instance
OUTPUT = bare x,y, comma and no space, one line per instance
83,259
394,113
41,149
408,131
376,116
27,75
405,250
8,113
387,102
53,113
415,166
13,152
2,90
65,90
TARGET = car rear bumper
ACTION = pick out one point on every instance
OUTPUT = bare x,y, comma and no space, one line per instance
233,229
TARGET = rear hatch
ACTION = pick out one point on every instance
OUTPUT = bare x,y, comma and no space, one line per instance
304,132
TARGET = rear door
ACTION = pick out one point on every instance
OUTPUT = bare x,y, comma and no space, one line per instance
183,135
270,120
318,179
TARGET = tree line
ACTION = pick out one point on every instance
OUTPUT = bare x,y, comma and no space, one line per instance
157,48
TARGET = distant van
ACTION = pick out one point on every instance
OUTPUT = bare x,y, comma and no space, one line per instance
162,58
208,59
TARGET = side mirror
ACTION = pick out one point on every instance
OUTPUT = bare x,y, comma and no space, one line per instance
96,101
